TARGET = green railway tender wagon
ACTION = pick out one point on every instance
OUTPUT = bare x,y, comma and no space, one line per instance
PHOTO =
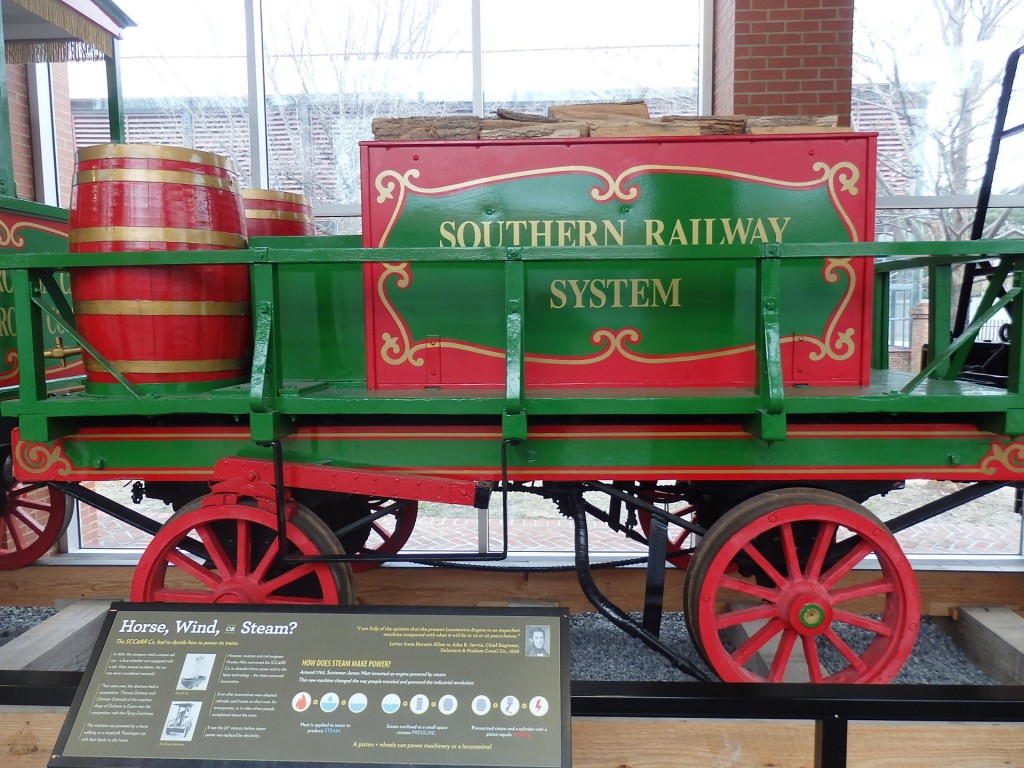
680,339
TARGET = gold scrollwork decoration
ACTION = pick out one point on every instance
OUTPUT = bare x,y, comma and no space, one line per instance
1009,457
13,367
10,236
40,458
396,350
389,183
840,178
835,344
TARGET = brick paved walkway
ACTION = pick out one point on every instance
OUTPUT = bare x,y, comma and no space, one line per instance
459,534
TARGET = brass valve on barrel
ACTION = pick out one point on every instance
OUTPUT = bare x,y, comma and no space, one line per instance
61,352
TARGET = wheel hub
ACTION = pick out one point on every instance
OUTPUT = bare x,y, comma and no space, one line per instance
806,609
237,590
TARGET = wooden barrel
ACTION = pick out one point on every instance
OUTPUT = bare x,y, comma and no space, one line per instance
269,213
167,329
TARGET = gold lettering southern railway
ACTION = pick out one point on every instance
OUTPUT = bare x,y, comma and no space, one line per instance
561,233
614,293
740,231
558,233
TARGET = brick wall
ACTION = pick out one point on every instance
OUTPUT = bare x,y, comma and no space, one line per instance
21,131
785,57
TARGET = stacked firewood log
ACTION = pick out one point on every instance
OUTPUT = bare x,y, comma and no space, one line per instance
569,121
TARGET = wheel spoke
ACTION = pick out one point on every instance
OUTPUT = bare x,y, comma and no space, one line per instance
757,641
20,494
867,589
28,521
215,548
847,652
194,569
821,544
782,656
846,563
17,537
259,573
749,588
243,549
764,565
864,622
744,615
380,530
812,657
288,577
38,506
789,552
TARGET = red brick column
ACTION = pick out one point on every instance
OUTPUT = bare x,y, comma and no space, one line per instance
64,129
783,57
21,130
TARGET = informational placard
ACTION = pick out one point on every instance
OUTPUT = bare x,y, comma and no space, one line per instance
206,685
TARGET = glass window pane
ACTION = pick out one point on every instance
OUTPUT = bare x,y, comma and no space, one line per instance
927,76
183,76
536,52
332,66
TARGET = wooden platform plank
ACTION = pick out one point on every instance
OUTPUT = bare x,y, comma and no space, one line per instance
993,636
941,591
27,739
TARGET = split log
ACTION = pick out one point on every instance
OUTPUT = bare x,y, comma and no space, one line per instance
791,123
761,130
418,128
625,110
612,128
513,129
523,117
711,125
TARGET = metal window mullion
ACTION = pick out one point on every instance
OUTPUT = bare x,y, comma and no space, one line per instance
930,202
705,59
259,157
44,141
478,61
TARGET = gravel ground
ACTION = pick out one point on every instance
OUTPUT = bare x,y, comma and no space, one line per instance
601,651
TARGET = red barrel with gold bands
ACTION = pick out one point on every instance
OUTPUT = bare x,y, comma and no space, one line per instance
272,213
167,329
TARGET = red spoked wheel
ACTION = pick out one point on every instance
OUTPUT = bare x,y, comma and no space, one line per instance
383,536
33,517
680,541
241,562
802,612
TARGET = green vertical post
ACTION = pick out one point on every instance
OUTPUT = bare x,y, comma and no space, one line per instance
940,294
7,185
1015,368
513,416
28,324
770,423
880,329
115,102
